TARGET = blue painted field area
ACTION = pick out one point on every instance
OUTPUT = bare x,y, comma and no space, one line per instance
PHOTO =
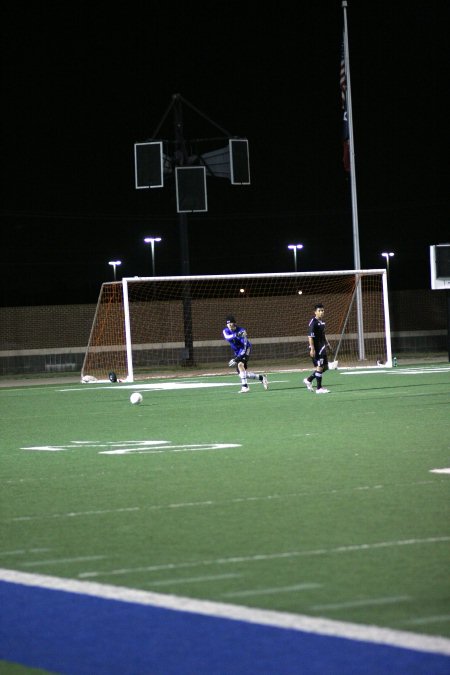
67,632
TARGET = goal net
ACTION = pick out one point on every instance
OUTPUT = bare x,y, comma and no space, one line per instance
165,324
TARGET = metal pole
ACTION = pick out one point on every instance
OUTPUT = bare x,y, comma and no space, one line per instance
181,158
151,241
153,256
356,251
295,248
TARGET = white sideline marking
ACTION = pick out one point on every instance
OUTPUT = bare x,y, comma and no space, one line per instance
299,622
155,386
398,371
439,470
265,556
168,386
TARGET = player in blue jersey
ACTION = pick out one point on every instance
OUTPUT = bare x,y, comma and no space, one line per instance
236,336
318,344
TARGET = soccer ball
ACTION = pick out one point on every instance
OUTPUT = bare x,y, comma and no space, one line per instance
136,398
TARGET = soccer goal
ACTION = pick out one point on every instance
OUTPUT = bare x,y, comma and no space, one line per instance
168,324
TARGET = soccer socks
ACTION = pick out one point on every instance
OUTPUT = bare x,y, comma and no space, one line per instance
245,376
318,377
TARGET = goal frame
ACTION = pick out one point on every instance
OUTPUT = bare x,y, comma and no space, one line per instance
127,347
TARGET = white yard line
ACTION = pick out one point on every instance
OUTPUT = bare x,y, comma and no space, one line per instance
268,556
271,591
209,503
367,602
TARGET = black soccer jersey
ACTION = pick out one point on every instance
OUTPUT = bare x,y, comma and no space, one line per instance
316,330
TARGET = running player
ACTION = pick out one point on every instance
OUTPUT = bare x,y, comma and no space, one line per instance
236,336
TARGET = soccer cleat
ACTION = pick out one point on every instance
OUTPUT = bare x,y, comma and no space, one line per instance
265,382
322,390
308,384
244,390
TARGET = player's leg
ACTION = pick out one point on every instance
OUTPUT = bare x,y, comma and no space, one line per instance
309,380
262,377
242,368
321,367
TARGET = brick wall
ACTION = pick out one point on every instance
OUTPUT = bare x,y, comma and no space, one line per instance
57,335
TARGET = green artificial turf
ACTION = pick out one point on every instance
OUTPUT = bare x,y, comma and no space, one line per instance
323,505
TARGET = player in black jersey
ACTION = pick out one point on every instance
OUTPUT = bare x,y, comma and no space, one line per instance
236,336
318,344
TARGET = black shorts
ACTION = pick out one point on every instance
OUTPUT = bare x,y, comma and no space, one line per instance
321,360
241,359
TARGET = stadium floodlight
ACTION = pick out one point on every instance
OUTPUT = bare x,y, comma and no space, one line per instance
295,248
387,255
151,241
115,264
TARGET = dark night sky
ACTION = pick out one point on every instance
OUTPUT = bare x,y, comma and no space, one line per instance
82,83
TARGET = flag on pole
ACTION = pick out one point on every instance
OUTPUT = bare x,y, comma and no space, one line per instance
345,128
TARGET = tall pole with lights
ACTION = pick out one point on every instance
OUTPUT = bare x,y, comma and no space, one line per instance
348,116
189,167
294,248
151,241
387,255
114,264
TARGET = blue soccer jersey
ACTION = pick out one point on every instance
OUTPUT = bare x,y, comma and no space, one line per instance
237,339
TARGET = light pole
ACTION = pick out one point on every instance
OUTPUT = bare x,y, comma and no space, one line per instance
115,263
295,248
387,255
151,241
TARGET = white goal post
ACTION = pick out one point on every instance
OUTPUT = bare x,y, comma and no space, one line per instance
157,325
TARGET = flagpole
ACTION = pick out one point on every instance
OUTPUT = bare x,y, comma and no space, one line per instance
356,251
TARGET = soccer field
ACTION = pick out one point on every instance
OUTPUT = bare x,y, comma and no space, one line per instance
331,512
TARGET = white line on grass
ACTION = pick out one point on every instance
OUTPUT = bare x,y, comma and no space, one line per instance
397,371
265,556
368,602
320,626
270,591
24,551
57,561
160,386
193,580
210,502
424,620
75,515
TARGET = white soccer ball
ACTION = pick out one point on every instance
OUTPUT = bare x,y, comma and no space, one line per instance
136,398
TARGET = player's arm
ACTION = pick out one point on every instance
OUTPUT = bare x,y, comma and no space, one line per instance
311,347
228,335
